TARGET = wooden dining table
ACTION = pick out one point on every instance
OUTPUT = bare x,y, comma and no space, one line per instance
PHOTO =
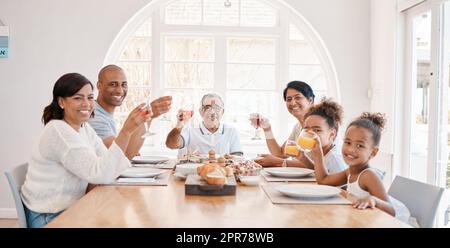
169,206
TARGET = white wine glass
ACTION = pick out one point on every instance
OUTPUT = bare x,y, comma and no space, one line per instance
188,111
255,121
147,127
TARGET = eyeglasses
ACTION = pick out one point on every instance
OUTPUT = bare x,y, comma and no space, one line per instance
214,107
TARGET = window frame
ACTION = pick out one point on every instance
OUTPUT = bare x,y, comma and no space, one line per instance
439,57
286,15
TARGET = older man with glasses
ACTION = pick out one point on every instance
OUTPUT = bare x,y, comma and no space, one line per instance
211,133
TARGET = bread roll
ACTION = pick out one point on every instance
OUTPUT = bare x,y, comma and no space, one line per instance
214,174
205,169
216,178
221,160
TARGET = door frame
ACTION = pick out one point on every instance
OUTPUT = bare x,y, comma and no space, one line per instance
435,6
439,61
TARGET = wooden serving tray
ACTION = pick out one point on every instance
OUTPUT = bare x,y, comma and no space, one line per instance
195,185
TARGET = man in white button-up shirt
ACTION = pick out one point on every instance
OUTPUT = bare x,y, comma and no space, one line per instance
211,133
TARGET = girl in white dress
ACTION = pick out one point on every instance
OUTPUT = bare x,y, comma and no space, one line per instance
364,185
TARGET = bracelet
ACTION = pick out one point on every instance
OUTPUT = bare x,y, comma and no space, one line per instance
284,164
268,134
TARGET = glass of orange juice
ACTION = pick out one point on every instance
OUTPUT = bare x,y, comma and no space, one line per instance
306,141
291,148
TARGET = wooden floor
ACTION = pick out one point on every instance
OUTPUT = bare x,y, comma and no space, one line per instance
8,223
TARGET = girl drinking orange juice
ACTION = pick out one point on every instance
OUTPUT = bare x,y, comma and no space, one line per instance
364,185
322,122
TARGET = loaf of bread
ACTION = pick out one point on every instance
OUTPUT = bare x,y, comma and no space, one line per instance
206,169
216,178
214,174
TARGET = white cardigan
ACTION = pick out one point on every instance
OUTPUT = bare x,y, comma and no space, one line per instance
63,162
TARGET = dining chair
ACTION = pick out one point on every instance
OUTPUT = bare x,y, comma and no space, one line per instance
447,216
16,178
421,199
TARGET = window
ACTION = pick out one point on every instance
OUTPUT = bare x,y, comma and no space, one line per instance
250,80
189,63
444,116
135,59
427,73
444,113
245,50
421,95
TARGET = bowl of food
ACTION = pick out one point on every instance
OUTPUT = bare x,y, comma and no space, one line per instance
198,158
187,169
250,180
246,168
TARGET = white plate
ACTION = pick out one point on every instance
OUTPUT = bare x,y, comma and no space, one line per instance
141,172
250,180
132,180
187,169
198,158
289,172
237,158
308,191
179,176
149,159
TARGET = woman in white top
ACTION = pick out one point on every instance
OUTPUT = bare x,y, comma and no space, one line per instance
361,141
69,154
299,97
324,119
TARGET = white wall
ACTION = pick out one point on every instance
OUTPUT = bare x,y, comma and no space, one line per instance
344,25
53,37
47,39
383,36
